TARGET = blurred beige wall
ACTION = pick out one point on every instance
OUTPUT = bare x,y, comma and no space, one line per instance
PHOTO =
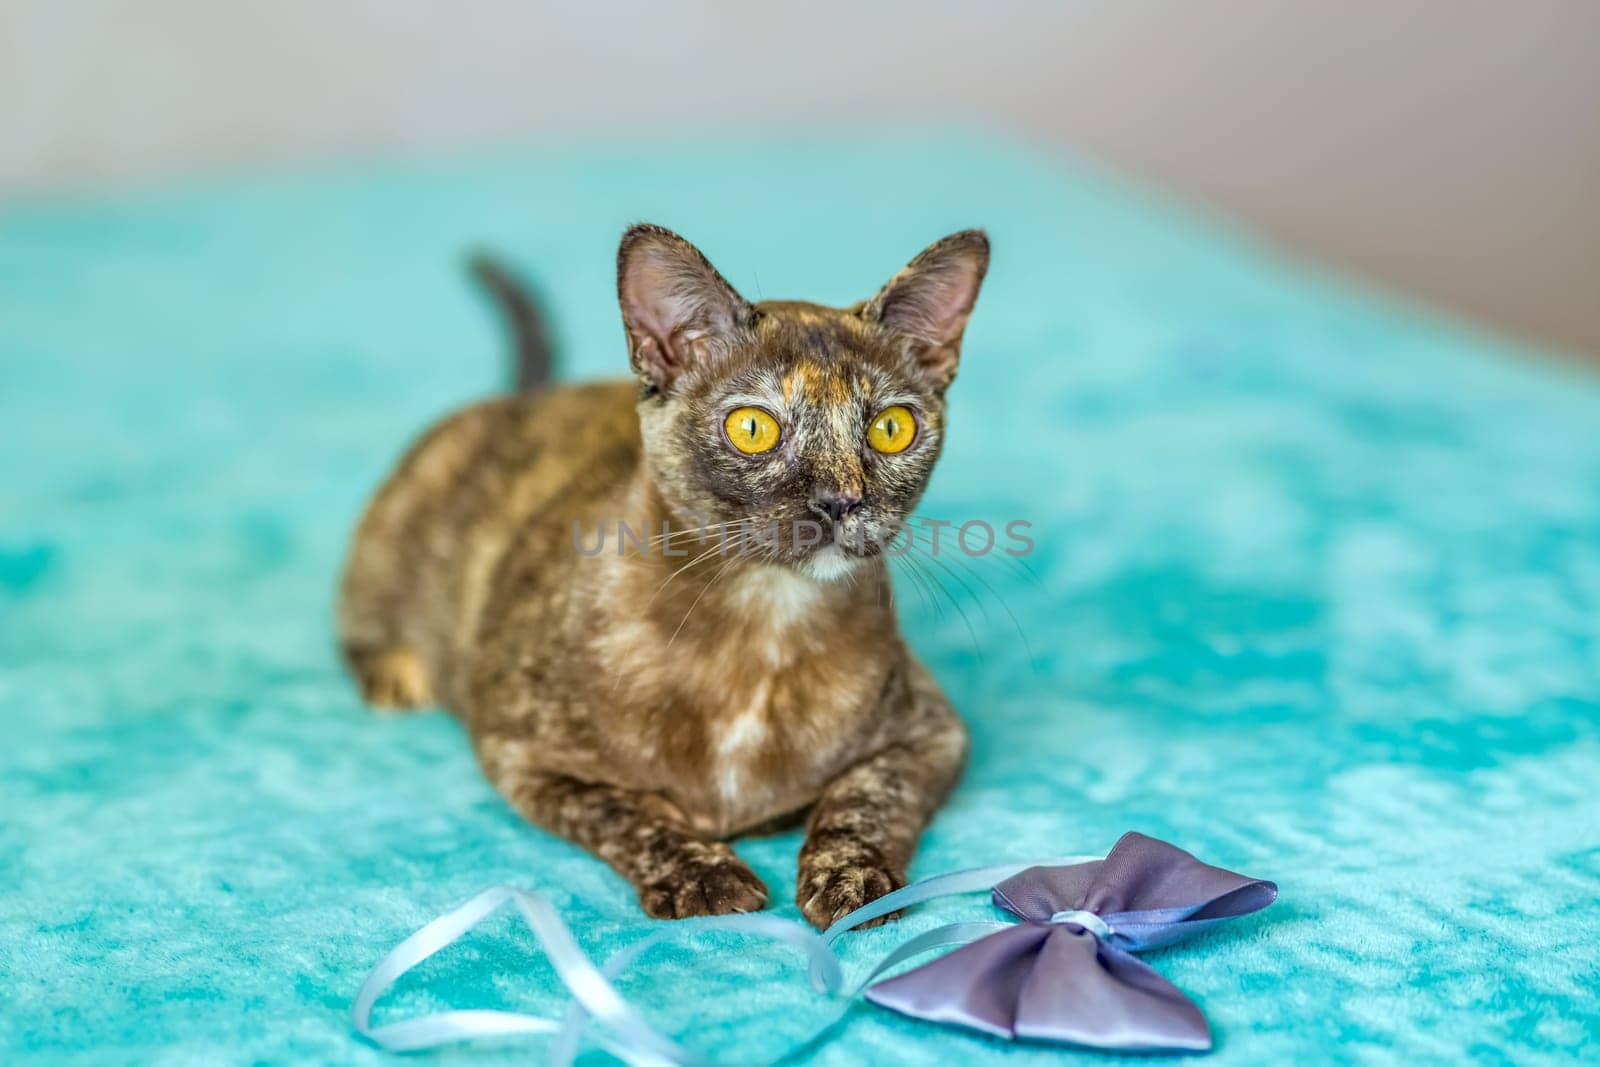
1446,148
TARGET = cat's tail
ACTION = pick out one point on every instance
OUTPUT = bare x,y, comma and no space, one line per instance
530,335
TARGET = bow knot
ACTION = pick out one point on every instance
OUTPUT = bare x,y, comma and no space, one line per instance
1039,980
1088,920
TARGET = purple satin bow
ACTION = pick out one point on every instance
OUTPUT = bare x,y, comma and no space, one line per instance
1065,973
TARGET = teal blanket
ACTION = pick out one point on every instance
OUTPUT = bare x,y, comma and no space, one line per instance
1316,596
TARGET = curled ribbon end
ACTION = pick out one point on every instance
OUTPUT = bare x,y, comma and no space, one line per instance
1153,893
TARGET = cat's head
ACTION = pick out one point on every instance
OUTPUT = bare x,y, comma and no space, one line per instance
810,431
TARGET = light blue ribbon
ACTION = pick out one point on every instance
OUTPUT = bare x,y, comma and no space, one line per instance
1086,919
603,1014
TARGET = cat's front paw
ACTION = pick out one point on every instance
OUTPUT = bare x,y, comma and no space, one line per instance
828,892
715,885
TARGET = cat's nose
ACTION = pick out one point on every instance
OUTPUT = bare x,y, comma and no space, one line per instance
835,505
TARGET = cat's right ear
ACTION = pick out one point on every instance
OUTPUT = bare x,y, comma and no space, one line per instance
678,311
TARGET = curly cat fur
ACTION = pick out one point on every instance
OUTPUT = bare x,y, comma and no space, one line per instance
644,704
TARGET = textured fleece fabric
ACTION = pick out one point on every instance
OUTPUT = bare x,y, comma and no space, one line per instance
1316,595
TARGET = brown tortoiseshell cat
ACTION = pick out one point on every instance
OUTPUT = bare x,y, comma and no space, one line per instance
651,702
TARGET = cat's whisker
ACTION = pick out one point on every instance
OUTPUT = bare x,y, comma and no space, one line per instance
963,560
699,532
899,569
966,619
913,569
966,587
720,547
711,552
708,553
1005,556
936,591
668,532
707,588
1027,647
778,694
944,564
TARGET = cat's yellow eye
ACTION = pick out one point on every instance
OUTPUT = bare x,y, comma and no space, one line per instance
751,430
892,431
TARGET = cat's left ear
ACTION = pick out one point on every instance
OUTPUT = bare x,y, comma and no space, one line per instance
926,305
678,311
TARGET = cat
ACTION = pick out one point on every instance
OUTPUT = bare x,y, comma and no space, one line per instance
651,700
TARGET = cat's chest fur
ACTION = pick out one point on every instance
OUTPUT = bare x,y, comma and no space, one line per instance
744,715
